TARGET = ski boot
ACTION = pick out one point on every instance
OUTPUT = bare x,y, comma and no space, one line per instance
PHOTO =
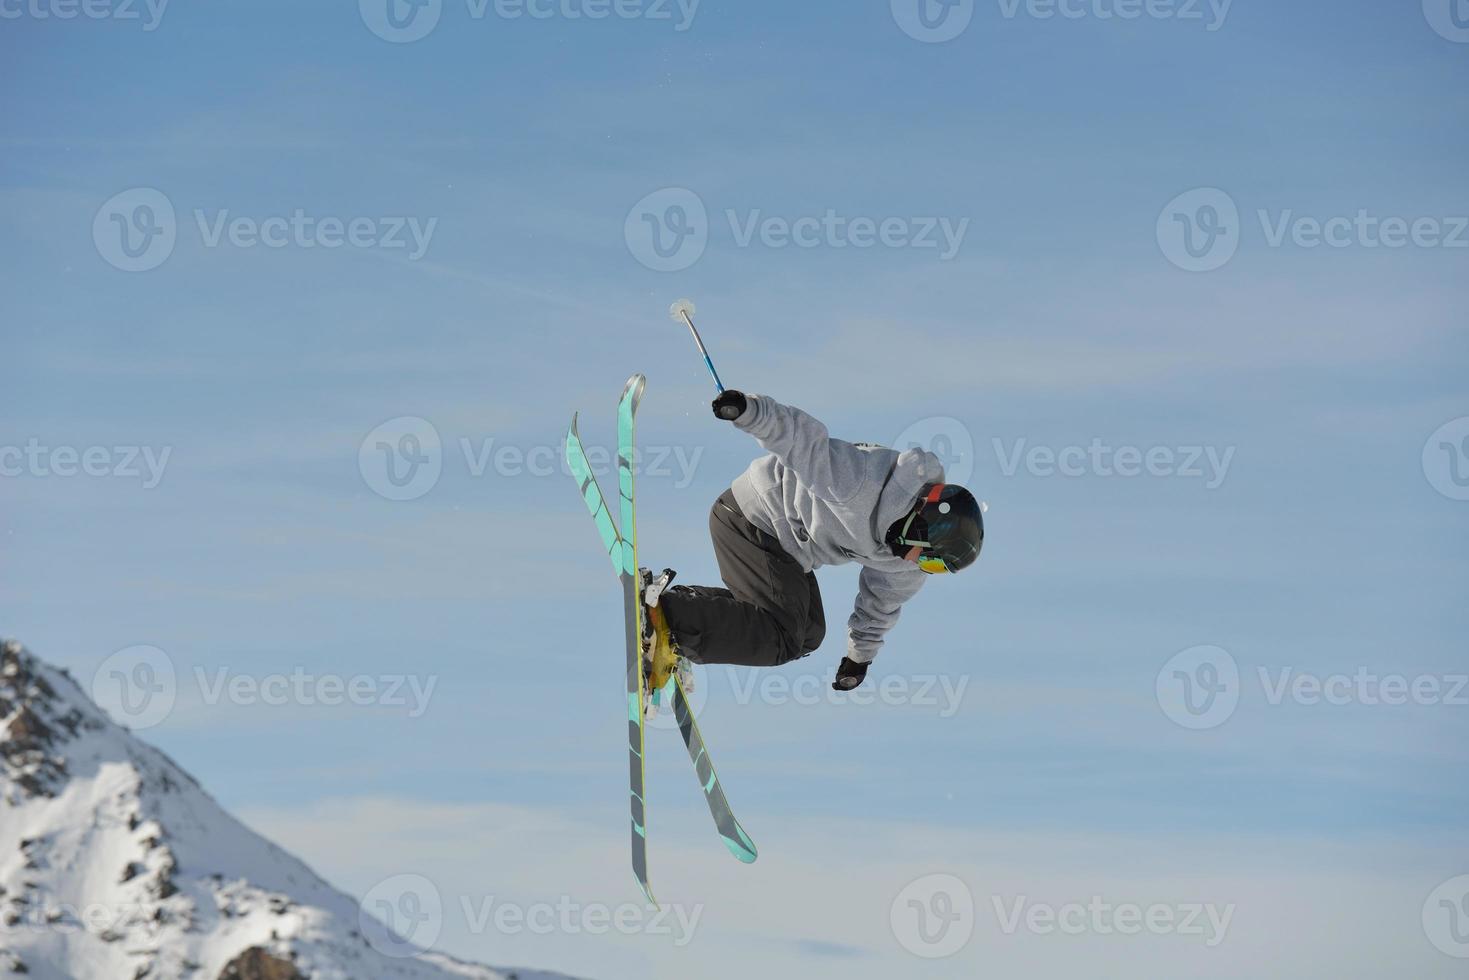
682,667
660,652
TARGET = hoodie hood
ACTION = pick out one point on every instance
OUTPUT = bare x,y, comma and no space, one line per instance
914,470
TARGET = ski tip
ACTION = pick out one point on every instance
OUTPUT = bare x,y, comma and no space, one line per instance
743,849
633,390
574,416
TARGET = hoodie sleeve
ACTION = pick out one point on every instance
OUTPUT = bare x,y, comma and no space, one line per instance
797,440
880,598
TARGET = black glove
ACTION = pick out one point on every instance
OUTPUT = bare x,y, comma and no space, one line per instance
850,675
730,405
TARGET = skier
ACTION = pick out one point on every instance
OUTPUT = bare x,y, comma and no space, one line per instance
813,501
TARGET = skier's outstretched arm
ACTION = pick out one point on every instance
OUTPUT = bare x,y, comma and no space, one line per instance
797,439
880,598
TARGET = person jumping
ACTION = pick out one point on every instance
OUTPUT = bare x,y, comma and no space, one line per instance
812,501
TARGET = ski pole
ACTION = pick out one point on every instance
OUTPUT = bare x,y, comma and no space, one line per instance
683,311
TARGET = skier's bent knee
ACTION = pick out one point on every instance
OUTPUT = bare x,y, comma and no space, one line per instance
790,651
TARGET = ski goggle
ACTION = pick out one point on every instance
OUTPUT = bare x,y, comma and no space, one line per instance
927,561
933,566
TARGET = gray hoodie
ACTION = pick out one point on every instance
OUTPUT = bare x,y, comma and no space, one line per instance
831,502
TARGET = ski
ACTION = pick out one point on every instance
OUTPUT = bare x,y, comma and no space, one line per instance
627,410
729,828
621,547
624,565
581,471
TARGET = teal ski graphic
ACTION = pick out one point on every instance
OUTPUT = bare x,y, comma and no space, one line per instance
591,493
627,410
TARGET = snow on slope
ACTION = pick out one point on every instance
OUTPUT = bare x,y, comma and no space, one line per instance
115,864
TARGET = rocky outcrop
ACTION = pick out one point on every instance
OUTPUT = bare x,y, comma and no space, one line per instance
257,964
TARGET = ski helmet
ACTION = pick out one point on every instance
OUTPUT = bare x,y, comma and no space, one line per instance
946,524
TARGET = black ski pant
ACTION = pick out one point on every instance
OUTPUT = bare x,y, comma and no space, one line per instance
770,613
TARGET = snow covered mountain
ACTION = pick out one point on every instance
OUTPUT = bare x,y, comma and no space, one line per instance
116,865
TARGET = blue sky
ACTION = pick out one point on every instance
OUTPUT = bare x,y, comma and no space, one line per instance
1069,150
